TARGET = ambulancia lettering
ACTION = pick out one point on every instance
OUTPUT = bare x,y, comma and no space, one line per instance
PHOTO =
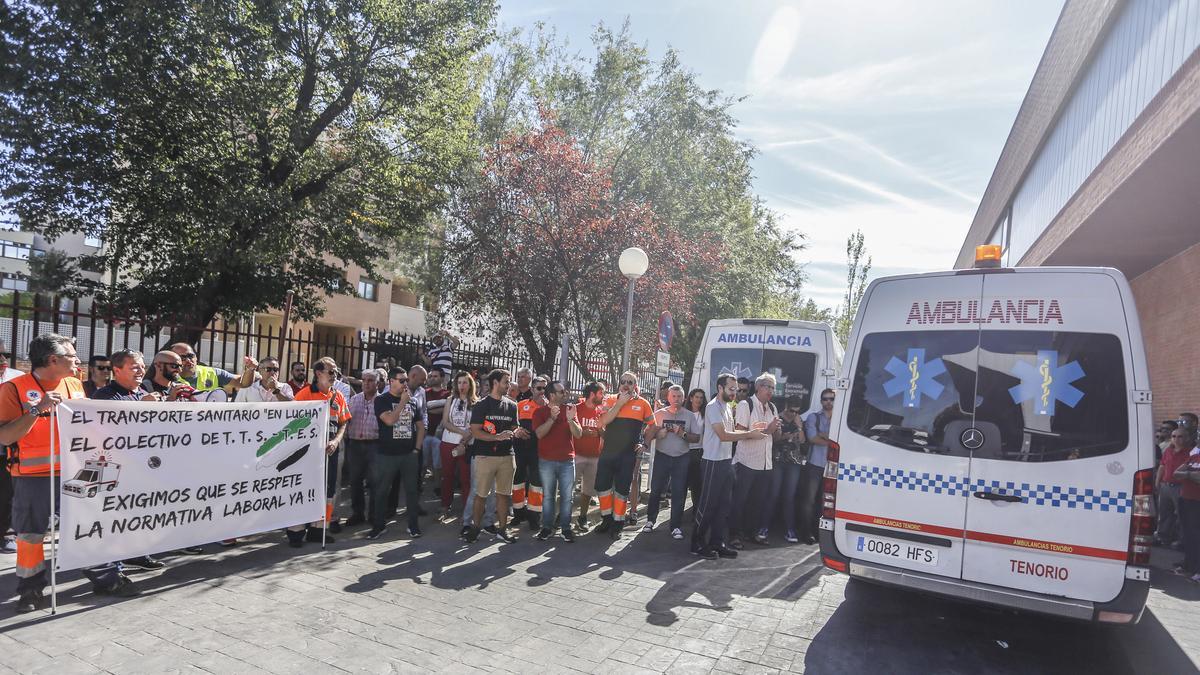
1015,311
755,339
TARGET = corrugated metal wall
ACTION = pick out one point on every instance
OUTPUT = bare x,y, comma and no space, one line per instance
1148,43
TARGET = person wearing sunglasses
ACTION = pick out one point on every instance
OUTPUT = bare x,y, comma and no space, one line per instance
1167,488
628,418
401,434
163,378
207,378
266,387
527,492
325,371
99,374
816,428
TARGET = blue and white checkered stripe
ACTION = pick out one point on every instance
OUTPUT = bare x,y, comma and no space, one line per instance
1056,496
904,480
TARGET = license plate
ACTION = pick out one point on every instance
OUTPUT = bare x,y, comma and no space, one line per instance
896,550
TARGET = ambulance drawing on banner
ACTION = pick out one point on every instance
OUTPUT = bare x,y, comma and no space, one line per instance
96,474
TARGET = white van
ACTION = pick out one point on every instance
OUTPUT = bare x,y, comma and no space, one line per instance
804,356
993,442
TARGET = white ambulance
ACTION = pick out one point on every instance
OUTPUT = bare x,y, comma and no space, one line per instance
993,441
804,356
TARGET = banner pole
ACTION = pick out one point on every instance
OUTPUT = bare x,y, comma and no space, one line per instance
325,482
53,513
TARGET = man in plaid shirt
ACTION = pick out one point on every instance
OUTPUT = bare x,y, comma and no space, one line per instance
360,443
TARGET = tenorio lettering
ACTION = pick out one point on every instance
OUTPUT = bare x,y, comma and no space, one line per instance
1028,311
1042,570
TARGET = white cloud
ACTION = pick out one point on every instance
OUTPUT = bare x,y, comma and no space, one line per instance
900,238
774,46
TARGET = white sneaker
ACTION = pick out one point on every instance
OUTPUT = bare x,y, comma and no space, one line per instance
677,533
648,526
9,546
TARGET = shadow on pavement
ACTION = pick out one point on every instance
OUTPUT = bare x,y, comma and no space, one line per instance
883,629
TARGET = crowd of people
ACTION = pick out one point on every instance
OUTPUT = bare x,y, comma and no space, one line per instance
1177,486
499,452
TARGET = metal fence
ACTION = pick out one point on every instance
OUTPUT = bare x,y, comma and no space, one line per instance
223,343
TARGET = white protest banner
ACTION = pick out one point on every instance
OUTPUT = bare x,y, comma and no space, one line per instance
143,477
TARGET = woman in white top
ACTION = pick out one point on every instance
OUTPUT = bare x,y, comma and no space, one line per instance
456,436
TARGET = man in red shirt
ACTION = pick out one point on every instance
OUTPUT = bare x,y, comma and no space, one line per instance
557,428
588,446
1188,475
1167,486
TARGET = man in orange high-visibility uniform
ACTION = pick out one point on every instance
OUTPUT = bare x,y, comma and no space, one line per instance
26,406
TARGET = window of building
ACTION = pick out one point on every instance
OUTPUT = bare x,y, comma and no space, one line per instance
13,282
368,289
13,249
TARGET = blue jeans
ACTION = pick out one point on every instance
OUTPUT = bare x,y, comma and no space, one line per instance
673,470
716,494
557,477
785,483
751,487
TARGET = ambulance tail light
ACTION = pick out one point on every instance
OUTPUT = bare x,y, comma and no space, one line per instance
1141,525
829,481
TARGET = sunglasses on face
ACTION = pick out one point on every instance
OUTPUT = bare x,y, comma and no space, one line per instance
401,380
539,389
170,366
269,369
628,383
102,367
191,356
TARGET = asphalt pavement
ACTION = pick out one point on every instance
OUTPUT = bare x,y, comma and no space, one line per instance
638,605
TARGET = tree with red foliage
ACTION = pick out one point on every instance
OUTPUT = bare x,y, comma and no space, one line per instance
534,254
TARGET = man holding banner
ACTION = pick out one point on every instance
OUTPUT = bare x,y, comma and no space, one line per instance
27,404
321,388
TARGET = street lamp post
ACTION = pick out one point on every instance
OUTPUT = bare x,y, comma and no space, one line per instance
633,264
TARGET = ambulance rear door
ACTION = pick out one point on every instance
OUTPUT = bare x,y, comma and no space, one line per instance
1053,456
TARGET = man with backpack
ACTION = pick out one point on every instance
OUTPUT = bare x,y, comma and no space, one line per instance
752,462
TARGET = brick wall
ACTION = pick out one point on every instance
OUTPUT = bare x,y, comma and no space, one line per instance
1168,301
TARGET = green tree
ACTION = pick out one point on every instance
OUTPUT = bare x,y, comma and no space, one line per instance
56,273
857,269
666,142
229,152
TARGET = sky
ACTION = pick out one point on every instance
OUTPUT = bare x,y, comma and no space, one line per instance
881,116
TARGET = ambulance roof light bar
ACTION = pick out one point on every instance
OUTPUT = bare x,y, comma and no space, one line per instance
988,256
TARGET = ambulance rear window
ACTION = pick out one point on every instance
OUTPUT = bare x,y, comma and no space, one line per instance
1053,395
909,385
794,371
1037,396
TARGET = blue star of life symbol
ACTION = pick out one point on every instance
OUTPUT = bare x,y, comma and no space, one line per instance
914,378
1046,382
